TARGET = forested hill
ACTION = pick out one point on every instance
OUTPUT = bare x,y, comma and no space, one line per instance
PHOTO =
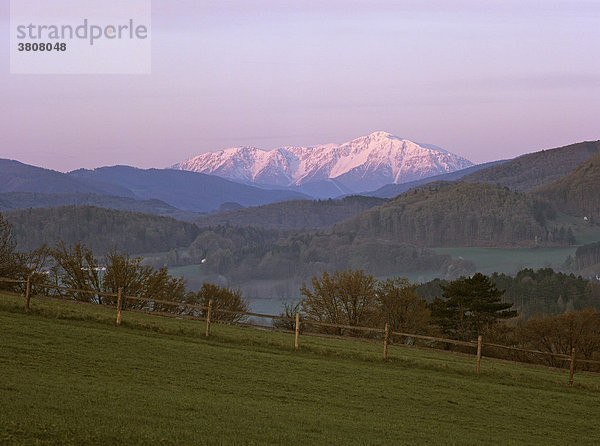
536,169
26,200
462,214
579,192
296,214
100,229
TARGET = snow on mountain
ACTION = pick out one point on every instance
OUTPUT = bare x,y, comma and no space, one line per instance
365,163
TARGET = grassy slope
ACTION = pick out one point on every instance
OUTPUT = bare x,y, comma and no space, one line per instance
70,377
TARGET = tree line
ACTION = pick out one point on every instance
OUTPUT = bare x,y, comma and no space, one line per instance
587,255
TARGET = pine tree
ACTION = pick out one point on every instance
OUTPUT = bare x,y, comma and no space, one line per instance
470,305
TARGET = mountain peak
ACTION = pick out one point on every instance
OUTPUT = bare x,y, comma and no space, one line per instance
365,163
380,134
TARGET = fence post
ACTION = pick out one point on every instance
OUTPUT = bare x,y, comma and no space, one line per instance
572,368
297,331
27,294
208,314
119,304
385,340
479,339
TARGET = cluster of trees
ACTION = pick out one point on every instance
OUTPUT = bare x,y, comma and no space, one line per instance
99,229
76,267
466,308
532,292
353,298
559,333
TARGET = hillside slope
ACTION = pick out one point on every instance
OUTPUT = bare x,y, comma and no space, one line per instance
536,169
578,193
461,214
296,214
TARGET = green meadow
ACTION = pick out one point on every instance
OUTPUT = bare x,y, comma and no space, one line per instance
71,376
512,260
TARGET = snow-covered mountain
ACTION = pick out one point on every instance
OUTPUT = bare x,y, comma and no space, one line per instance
365,163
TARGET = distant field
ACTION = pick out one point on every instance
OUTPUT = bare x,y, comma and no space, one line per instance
191,271
584,232
510,261
69,376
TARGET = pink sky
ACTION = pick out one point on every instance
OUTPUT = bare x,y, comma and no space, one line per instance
486,80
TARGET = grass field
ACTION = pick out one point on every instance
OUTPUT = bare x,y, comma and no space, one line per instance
69,376
511,260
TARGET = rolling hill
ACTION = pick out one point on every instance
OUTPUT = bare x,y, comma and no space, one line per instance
189,191
296,214
536,169
463,214
18,177
26,200
577,193
393,190
177,190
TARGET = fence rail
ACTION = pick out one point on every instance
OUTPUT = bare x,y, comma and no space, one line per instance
537,352
432,338
298,322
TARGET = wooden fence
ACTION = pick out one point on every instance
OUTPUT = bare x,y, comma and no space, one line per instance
298,322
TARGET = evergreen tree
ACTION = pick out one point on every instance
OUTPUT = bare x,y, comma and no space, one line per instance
470,305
